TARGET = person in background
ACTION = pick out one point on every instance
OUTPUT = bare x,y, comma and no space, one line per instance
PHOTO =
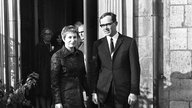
68,75
77,24
43,53
81,34
59,43
116,69
79,41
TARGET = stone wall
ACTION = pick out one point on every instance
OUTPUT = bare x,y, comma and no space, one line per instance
143,23
177,53
175,89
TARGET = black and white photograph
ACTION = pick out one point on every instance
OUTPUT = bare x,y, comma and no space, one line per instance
95,53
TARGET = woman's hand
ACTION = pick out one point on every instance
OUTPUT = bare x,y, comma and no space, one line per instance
59,105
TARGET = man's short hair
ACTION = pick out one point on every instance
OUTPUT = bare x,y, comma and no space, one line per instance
113,16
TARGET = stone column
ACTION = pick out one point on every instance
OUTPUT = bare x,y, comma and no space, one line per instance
11,42
2,42
90,22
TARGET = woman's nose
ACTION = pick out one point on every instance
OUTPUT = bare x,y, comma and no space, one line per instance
74,39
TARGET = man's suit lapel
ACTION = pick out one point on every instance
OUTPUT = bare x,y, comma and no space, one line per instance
105,48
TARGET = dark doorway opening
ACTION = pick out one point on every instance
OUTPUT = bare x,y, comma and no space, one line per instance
54,14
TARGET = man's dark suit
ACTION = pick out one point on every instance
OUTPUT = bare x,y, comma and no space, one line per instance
123,69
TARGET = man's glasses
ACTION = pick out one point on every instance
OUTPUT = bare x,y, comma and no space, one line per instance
108,24
47,34
81,32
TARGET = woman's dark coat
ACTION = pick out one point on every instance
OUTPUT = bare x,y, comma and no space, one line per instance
43,55
68,78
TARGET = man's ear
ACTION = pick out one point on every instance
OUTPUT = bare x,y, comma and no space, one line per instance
116,22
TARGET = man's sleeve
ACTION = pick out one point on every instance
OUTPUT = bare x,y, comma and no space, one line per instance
135,68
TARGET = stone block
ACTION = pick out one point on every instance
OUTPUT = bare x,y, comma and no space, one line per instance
143,8
179,104
176,16
146,87
190,38
146,93
145,47
180,61
189,1
178,2
163,104
144,26
180,89
178,38
188,15
179,75
147,67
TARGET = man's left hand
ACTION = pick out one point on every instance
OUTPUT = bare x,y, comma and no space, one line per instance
132,99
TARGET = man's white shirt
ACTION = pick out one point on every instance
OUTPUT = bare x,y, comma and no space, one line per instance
115,37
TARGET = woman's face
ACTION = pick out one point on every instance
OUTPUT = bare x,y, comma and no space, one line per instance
70,40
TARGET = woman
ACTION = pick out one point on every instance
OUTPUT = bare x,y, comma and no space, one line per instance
42,57
68,72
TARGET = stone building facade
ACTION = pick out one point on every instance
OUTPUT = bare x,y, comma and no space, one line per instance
177,53
164,39
163,30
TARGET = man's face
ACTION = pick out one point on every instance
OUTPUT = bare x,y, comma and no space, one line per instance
59,39
81,32
47,36
108,26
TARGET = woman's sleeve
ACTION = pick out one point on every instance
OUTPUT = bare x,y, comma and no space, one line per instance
85,84
55,69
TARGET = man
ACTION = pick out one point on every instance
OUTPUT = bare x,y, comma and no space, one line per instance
81,34
43,53
88,101
116,70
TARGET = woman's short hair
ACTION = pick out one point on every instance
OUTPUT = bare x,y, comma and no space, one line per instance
67,29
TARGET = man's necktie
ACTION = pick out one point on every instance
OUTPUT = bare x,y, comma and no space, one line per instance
112,46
